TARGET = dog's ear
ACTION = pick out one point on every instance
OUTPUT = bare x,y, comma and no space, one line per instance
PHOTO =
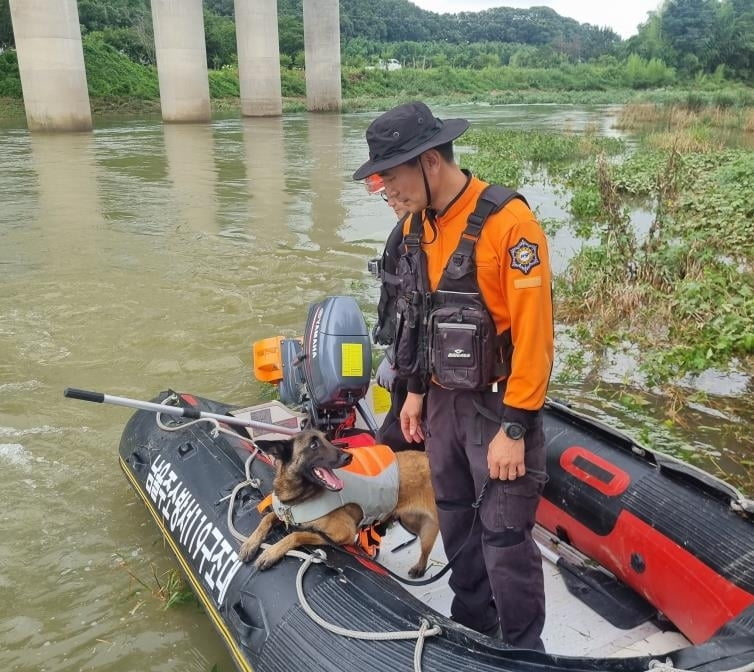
282,449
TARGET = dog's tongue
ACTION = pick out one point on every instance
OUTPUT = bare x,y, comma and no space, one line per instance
329,478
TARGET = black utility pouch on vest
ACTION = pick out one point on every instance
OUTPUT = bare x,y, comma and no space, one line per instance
462,346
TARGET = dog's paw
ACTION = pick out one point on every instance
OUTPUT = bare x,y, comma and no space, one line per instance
417,571
266,560
248,550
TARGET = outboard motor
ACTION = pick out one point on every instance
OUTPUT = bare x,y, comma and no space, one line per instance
337,354
326,376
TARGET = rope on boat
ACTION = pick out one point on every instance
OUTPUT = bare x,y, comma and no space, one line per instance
214,433
424,631
254,483
667,666
216,430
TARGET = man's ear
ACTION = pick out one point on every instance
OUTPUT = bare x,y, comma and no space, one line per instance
282,449
432,160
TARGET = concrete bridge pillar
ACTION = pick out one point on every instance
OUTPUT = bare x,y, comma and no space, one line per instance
51,64
181,59
258,57
322,52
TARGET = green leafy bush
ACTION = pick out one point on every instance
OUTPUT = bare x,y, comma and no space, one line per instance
10,80
111,74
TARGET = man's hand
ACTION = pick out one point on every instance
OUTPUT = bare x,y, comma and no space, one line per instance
505,457
385,375
411,415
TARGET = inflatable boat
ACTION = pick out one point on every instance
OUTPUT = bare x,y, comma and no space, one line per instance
636,539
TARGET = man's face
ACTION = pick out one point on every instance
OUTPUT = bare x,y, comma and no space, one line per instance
404,186
398,208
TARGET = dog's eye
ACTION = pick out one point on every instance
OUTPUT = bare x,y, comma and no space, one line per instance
314,444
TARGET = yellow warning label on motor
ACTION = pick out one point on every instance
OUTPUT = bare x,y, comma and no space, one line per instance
352,358
380,399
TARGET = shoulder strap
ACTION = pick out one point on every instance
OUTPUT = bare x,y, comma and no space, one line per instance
412,240
493,199
391,253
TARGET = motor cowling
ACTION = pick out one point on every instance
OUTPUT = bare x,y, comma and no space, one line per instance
337,356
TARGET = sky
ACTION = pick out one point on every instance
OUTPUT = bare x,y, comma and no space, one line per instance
622,16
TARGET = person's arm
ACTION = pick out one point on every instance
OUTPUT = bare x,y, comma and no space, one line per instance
525,282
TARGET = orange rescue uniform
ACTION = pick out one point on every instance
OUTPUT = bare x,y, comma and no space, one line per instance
513,272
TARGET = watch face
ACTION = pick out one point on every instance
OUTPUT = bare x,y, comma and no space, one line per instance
514,431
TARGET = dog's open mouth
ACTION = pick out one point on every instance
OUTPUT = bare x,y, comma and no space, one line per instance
327,478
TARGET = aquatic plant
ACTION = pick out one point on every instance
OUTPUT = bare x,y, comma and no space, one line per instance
683,290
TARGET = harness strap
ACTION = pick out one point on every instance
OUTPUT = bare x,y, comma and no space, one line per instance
493,199
412,240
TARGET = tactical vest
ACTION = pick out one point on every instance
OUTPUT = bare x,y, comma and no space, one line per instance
450,333
384,330
371,481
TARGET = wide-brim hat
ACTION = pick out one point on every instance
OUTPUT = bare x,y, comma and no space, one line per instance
403,133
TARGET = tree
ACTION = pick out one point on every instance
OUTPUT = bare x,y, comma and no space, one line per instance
6,29
688,26
101,14
648,42
735,38
291,35
220,38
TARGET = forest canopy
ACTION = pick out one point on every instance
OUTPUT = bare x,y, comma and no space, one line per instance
691,36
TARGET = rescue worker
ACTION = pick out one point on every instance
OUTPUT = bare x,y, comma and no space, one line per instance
487,440
386,376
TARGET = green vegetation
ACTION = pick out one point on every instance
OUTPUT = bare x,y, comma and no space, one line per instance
502,55
511,156
683,292
110,74
10,81
169,588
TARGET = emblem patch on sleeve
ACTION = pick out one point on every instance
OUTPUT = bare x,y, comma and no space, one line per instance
524,255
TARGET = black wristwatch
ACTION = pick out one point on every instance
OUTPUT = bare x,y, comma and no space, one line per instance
514,430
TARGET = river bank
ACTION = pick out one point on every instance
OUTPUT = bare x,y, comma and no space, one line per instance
12,107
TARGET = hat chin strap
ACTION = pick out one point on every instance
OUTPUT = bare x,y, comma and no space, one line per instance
427,191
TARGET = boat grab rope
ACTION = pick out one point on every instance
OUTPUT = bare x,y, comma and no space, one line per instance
667,666
214,433
425,629
254,483
172,400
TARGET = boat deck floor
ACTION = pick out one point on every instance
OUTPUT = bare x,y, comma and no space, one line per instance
571,627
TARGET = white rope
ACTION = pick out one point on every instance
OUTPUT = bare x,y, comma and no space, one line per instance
424,631
254,483
214,433
216,430
667,666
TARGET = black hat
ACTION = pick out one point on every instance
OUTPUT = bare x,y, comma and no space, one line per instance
403,133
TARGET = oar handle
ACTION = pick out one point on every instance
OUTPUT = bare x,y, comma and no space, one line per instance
84,395
182,411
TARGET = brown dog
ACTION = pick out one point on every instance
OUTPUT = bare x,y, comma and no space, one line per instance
304,467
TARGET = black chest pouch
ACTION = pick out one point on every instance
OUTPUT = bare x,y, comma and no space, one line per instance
464,352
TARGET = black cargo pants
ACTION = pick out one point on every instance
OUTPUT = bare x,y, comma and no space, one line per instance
497,577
